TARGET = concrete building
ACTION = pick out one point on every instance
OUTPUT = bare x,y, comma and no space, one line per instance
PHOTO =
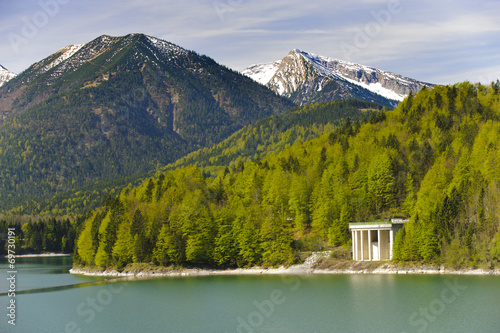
374,240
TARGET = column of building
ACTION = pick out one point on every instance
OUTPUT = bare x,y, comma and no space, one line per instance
369,245
379,244
391,239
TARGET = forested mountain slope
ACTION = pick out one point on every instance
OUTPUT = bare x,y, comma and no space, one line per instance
434,159
271,135
116,107
253,142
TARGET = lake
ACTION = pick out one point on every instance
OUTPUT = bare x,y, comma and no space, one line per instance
49,299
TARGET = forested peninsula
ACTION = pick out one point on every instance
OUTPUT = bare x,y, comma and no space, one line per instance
434,159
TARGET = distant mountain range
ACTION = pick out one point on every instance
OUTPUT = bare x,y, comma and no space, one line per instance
5,75
305,78
114,107
122,106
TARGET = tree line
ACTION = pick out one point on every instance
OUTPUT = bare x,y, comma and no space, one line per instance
433,159
39,236
105,118
267,136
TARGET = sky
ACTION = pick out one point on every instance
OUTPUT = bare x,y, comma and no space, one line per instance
435,41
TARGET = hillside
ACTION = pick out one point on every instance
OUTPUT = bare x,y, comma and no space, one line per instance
116,107
307,78
432,159
253,142
271,135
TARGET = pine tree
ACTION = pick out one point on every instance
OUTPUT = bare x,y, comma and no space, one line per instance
429,248
84,244
410,199
276,242
138,223
225,250
123,249
398,246
381,181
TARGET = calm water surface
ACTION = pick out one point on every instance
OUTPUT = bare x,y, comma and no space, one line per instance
48,299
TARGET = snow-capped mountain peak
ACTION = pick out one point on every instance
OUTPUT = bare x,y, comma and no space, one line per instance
5,75
307,77
371,78
72,57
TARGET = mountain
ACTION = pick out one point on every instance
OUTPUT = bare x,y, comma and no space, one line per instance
273,134
306,78
432,159
5,75
251,143
115,107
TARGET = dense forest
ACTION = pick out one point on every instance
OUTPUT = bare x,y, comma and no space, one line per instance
132,107
433,159
271,135
41,235
255,141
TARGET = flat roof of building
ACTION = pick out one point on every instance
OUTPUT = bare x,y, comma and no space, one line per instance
379,224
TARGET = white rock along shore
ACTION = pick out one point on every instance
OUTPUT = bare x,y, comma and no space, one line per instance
308,267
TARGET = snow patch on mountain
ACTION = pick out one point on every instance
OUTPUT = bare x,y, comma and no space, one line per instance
377,88
64,54
262,73
289,74
167,48
331,67
5,75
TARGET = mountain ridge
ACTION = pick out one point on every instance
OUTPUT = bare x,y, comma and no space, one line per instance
115,107
431,159
251,143
304,76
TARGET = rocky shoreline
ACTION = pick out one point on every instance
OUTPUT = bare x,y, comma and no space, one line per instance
393,269
313,265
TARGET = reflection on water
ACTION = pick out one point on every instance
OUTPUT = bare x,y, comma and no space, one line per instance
53,301
63,287
34,273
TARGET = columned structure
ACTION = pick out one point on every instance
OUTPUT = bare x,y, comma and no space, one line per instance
373,241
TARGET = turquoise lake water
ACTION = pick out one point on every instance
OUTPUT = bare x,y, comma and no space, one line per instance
49,299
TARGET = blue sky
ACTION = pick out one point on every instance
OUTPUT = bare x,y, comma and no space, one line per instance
439,41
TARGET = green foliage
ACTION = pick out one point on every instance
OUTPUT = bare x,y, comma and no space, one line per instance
39,235
253,142
381,181
495,251
119,115
272,134
303,197
398,245
84,245
429,248
456,255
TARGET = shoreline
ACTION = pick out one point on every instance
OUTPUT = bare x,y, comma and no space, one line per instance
30,255
312,265
386,269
